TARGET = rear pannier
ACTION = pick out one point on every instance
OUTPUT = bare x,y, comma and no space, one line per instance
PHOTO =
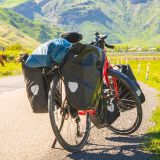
34,67
82,74
37,89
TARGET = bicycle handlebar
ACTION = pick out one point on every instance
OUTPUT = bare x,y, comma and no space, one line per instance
100,41
102,37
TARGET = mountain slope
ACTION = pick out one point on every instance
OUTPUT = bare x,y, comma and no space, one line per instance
39,31
122,20
10,35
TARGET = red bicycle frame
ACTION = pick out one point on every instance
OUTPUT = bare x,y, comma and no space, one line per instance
106,77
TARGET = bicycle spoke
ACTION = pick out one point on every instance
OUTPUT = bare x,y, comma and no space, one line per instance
66,127
127,100
126,105
125,95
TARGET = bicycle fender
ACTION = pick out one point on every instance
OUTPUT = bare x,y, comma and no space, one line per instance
126,79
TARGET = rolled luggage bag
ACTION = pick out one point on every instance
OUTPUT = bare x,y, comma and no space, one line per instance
36,87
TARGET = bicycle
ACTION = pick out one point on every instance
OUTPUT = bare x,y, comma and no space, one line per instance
72,128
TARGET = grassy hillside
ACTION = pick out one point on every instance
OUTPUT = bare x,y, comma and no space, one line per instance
10,35
39,31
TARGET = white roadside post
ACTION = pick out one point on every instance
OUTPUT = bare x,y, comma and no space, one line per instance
121,60
126,61
139,67
148,70
117,61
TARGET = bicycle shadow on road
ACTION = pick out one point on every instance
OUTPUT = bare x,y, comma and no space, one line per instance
128,148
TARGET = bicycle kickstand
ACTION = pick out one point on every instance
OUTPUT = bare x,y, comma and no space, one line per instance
54,143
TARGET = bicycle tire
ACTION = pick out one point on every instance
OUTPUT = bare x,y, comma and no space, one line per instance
138,120
57,132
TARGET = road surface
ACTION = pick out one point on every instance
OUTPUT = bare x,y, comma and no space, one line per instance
28,136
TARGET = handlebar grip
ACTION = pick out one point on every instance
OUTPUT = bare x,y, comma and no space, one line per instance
109,46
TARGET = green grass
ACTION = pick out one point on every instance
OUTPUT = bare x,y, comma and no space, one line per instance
11,68
154,74
152,143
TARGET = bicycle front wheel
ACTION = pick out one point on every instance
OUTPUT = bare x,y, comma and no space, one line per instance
128,104
71,130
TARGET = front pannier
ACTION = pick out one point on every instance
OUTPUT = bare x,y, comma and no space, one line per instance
82,74
108,108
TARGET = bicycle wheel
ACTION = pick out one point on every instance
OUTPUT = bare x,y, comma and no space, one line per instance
128,104
71,130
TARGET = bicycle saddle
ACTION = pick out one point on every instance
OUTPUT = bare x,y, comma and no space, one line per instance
72,37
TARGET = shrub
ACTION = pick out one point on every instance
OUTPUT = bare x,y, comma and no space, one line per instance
15,47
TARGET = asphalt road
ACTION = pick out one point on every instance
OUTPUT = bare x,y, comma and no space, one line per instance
28,136
11,83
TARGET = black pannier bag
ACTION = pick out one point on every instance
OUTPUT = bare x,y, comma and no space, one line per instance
126,69
108,108
82,74
36,86
37,89
107,112
110,111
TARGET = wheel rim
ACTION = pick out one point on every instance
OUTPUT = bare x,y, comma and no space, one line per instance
64,123
127,104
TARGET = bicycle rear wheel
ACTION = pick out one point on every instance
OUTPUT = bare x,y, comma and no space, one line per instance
128,104
71,130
